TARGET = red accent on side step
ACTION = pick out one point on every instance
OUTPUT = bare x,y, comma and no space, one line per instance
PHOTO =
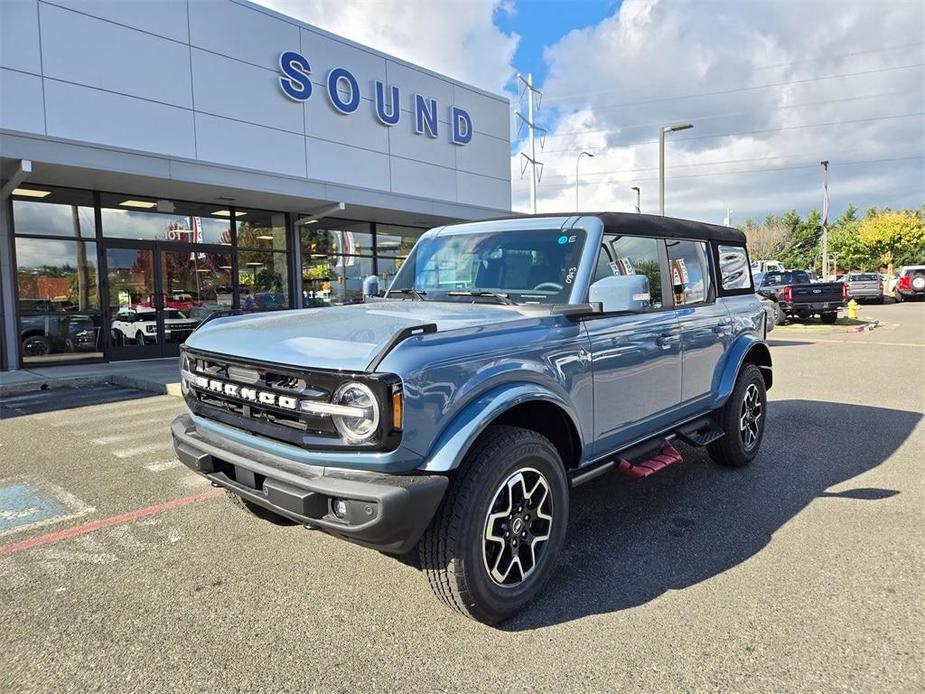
667,455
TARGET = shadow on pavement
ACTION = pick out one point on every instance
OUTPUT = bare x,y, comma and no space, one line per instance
65,398
629,542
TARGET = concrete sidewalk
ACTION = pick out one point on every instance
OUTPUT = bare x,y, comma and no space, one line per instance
153,375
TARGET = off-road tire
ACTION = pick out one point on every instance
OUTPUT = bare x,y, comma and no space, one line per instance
780,315
828,318
258,511
36,346
451,549
140,338
730,450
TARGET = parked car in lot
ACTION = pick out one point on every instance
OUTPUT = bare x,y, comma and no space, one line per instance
139,325
797,295
864,286
52,333
508,362
911,283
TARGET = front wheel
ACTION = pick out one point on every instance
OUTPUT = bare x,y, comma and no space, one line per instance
742,420
494,541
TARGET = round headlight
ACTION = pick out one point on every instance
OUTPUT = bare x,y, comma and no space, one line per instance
357,429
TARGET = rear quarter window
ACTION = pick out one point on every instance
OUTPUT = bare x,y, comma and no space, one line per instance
734,270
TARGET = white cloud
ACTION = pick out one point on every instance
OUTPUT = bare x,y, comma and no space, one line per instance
457,39
655,62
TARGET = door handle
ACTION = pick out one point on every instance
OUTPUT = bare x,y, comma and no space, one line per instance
722,329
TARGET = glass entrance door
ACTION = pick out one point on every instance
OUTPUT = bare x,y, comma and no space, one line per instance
159,293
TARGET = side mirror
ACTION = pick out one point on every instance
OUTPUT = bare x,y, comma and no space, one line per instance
621,293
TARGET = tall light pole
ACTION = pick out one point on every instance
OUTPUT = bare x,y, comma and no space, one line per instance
583,154
636,188
664,130
825,218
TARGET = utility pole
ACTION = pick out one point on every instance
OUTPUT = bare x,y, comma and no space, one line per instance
727,221
664,130
530,159
825,218
636,188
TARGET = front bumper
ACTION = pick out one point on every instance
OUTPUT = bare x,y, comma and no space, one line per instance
386,512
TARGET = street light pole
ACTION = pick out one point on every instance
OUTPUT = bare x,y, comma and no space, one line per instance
636,188
590,156
664,130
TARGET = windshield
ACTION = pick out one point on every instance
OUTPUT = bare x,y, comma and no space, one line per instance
866,277
775,278
524,266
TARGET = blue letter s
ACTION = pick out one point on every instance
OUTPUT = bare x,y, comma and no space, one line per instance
295,83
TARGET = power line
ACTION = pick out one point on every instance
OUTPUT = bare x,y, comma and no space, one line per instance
764,170
715,116
781,129
732,91
840,55
718,162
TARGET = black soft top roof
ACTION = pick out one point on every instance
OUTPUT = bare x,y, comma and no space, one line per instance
655,225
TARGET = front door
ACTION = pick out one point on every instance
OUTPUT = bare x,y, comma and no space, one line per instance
159,293
636,357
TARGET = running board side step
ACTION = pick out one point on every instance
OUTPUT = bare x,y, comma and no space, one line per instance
667,455
701,432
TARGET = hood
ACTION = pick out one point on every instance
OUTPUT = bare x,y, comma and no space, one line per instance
339,337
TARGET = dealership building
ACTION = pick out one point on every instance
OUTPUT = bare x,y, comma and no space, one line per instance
160,161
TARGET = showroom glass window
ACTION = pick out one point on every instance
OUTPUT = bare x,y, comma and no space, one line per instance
393,244
56,274
263,274
147,219
337,256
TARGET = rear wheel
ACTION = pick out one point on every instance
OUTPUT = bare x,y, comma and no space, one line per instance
780,316
829,317
36,346
742,419
494,541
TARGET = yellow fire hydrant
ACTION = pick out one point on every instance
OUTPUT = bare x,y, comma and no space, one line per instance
853,309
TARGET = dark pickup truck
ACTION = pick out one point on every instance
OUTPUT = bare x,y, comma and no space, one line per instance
796,295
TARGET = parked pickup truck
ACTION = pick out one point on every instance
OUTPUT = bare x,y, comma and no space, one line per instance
797,295
509,362
864,286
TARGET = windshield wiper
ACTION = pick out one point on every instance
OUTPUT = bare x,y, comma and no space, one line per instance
418,294
502,298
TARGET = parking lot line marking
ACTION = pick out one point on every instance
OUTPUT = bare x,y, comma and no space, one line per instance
152,401
138,450
127,517
166,465
153,423
69,421
130,436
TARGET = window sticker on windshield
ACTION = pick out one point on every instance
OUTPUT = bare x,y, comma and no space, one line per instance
627,266
570,275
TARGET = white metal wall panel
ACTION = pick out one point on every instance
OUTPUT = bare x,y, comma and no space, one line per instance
323,121
404,142
84,114
19,36
423,180
338,163
324,52
165,18
485,155
84,50
240,32
226,87
489,116
249,146
480,190
21,106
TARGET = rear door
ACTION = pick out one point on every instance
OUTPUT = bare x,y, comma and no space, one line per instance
636,358
706,327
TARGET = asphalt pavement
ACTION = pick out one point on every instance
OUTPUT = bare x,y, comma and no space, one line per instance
120,570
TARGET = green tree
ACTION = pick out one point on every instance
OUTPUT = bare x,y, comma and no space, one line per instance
803,236
892,236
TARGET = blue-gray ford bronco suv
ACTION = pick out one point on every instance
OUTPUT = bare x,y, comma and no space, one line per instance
508,361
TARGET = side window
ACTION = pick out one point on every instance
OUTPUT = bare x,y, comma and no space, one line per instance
632,255
689,270
734,268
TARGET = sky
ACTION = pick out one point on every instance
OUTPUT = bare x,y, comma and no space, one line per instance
771,87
